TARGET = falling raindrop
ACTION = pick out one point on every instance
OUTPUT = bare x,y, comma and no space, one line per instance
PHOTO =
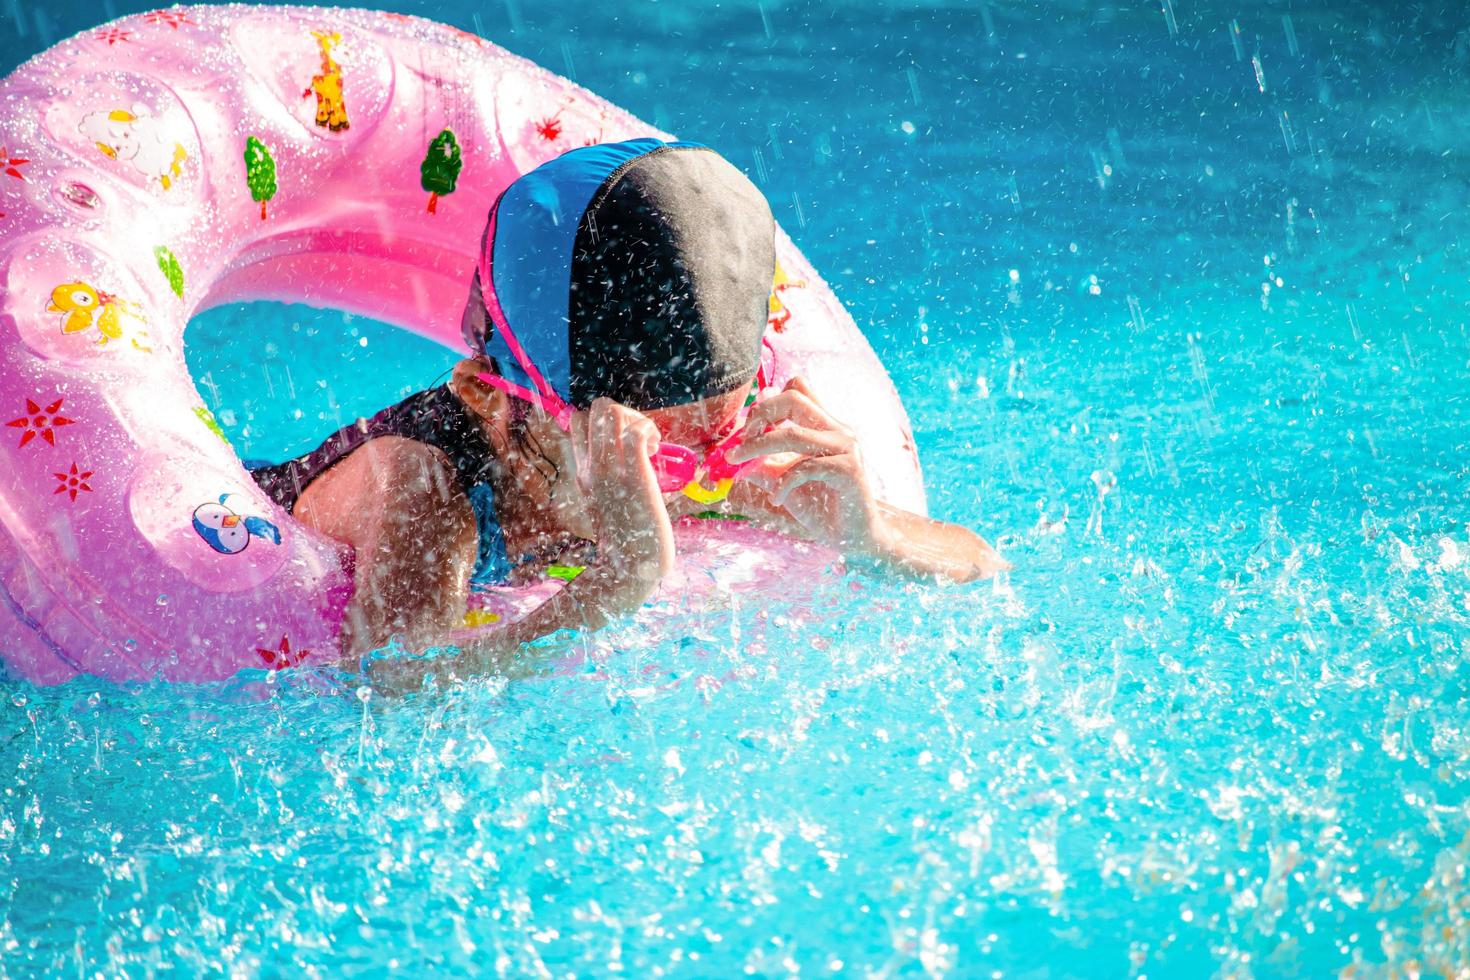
1287,133
1135,314
1105,483
1290,29
567,62
1169,19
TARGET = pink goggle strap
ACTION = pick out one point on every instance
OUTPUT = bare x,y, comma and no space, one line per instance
545,396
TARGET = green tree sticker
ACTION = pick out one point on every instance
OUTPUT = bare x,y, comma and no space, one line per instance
260,172
207,417
440,168
172,271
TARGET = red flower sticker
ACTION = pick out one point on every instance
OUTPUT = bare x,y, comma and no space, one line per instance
38,421
549,129
173,18
74,482
113,35
11,165
283,656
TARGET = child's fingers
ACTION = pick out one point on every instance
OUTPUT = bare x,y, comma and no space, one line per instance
637,439
799,384
639,432
793,439
602,444
794,404
615,430
626,441
789,406
836,471
580,454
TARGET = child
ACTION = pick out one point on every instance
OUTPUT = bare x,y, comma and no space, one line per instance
616,317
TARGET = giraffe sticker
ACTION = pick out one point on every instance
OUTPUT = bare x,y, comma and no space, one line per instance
778,315
331,109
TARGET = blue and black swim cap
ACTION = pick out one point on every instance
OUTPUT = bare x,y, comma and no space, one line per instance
639,271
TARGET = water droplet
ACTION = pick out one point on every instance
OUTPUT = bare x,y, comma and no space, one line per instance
79,196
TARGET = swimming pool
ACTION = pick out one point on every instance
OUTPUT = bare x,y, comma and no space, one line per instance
1177,302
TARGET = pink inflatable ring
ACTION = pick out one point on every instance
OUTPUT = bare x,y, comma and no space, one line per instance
176,160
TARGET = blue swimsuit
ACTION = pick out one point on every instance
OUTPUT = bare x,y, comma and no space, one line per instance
435,417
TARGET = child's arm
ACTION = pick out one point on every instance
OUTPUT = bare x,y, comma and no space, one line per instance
589,601
635,549
635,539
923,546
824,494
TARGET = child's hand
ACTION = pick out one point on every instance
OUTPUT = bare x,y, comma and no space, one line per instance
635,540
822,483
825,489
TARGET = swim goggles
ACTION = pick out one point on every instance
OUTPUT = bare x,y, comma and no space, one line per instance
679,469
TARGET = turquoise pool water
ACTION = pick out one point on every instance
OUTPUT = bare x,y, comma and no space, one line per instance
1176,296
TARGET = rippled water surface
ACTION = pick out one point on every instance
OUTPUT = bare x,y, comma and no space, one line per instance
1177,298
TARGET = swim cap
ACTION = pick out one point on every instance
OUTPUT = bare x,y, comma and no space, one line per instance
639,271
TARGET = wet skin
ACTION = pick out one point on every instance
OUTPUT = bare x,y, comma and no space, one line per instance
397,504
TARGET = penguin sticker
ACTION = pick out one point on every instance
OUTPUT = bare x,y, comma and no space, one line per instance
229,533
